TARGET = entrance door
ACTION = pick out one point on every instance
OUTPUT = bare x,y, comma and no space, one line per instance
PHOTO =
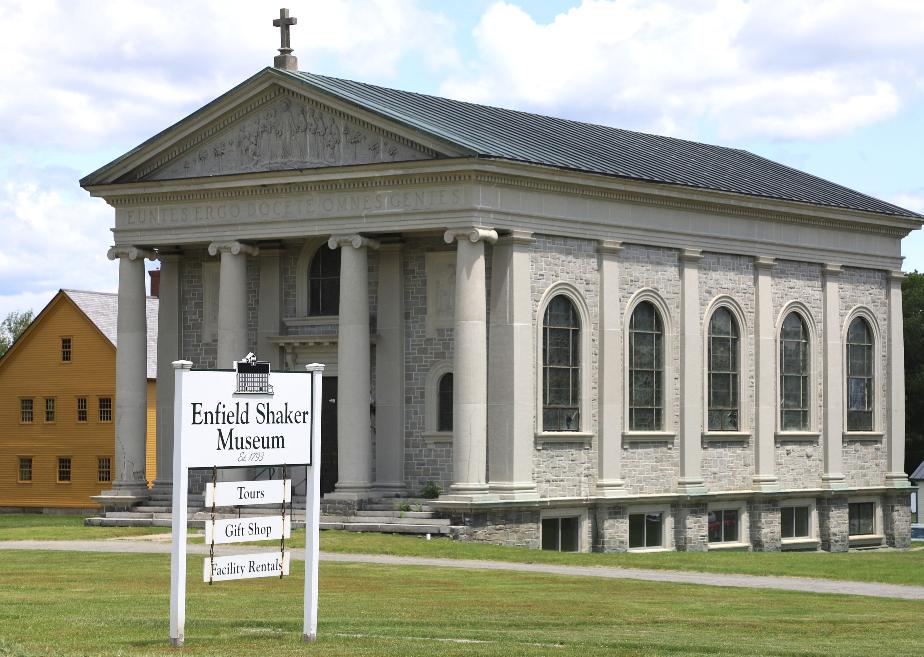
328,434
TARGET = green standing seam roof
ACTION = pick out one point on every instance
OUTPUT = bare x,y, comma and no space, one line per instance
494,132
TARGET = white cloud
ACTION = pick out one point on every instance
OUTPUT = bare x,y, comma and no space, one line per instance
761,68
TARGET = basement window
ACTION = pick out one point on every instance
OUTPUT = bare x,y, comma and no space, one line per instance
646,530
561,534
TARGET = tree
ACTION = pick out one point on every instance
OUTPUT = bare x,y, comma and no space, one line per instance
913,311
12,327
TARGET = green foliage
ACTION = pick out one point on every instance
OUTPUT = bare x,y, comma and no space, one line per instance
12,327
431,490
913,310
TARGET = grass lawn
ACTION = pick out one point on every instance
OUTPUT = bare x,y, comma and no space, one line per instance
59,603
41,527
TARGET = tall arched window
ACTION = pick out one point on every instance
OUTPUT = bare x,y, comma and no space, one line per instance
723,371
646,369
444,403
859,376
324,283
794,374
561,366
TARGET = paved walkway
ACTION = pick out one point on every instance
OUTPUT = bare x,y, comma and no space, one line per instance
684,577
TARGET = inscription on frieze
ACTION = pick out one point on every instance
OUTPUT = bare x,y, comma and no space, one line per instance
287,134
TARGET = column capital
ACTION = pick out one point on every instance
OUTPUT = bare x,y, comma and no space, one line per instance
130,252
233,247
609,247
474,234
831,270
691,256
897,275
764,262
356,241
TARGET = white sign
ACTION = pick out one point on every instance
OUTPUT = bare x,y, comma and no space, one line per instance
223,428
239,530
245,566
242,493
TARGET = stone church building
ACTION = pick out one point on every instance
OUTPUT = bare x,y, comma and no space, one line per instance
588,338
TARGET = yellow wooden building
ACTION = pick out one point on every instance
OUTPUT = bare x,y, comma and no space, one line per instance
57,404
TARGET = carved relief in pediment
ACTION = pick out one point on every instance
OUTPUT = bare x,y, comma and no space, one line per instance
288,133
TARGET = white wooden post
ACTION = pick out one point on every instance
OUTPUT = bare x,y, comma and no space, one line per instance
180,486
312,508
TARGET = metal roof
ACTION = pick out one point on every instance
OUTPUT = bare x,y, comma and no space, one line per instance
495,132
102,308
918,474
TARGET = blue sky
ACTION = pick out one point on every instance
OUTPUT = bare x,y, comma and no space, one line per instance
831,87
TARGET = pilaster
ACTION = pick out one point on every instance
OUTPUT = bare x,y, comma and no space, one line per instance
833,476
765,478
691,377
610,372
895,475
470,381
511,370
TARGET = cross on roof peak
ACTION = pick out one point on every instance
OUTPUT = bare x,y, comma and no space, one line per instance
285,59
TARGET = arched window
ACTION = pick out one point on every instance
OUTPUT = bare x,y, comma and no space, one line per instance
794,374
723,371
859,376
646,369
561,366
444,403
324,283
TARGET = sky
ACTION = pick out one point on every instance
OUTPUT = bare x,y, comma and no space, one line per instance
832,87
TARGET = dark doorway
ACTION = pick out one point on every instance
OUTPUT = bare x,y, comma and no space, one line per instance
328,434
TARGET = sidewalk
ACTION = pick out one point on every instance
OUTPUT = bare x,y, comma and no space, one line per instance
682,577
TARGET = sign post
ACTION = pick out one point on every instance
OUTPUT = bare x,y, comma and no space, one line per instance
235,418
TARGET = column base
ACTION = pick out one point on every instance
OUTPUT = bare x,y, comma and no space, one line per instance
514,490
833,481
122,497
467,493
389,489
766,484
691,487
897,480
611,488
350,492
161,488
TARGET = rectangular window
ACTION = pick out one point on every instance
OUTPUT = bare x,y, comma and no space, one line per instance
49,409
561,534
25,410
64,468
81,409
794,522
105,409
862,518
65,350
645,530
723,526
25,468
104,468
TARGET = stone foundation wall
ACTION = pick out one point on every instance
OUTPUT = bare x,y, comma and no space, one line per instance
896,516
691,527
765,525
611,529
833,524
513,528
728,465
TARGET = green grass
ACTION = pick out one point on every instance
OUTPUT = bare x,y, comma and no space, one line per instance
59,603
39,527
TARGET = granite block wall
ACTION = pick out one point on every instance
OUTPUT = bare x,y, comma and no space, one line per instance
611,529
728,465
833,524
514,528
564,470
799,463
691,527
896,516
650,467
864,462
765,530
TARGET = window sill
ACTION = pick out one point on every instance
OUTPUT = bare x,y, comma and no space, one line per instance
863,540
648,436
863,436
659,548
800,436
803,543
315,320
726,436
582,437
437,436
736,546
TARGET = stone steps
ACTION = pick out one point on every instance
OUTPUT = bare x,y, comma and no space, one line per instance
363,519
386,527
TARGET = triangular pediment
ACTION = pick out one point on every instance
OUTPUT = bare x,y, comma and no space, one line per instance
280,130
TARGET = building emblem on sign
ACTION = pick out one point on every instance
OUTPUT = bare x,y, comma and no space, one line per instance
252,376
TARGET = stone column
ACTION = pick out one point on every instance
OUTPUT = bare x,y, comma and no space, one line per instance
470,380
389,374
511,370
691,377
833,476
354,419
609,429
232,301
131,406
765,478
895,475
168,350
